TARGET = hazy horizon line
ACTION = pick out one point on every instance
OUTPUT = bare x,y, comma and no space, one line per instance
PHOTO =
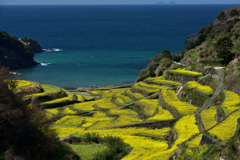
121,4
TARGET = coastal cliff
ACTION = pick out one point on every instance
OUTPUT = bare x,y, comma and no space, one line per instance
33,44
15,54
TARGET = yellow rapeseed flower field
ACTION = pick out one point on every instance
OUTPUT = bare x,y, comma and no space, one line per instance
231,101
202,89
85,106
170,98
121,112
161,115
135,96
160,80
195,142
69,111
143,147
226,129
53,111
186,127
183,71
22,83
149,106
147,88
208,117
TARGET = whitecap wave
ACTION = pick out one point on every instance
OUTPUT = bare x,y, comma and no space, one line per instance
15,73
53,50
57,50
44,64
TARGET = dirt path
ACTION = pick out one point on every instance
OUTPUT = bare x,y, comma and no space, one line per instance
217,92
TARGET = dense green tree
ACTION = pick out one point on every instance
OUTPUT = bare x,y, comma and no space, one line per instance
223,48
166,54
221,16
24,131
190,41
234,13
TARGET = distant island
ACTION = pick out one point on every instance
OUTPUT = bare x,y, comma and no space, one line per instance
166,3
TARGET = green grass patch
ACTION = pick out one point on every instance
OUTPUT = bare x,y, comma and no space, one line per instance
87,151
191,54
48,89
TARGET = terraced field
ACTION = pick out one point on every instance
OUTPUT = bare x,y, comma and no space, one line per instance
149,116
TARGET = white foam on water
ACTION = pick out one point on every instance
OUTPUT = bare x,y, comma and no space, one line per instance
57,50
44,64
15,73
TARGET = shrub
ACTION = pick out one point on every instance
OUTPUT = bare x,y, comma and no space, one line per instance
234,13
24,131
223,48
92,137
115,151
221,16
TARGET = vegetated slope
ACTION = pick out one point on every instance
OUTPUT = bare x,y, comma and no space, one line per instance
190,112
15,53
217,44
25,130
154,119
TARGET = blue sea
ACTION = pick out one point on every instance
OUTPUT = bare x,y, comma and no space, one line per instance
102,45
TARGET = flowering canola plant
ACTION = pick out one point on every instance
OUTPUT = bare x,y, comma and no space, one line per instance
70,120
171,100
161,115
183,71
99,92
103,93
121,112
149,106
135,96
121,100
208,117
69,111
66,131
22,83
85,106
105,103
195,142
185,127
48,89
52,111
58,100
121,120
148,88
143,147
226,129
202,89
161,81
231,101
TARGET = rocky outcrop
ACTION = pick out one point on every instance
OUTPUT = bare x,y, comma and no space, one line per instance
14,54
158,65
34,45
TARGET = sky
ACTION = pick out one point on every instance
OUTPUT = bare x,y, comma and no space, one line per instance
94,2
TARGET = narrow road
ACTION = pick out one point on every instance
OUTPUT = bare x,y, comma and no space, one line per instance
216,93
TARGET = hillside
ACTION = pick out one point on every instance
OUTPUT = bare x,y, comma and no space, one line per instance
171,116
217,44
189,109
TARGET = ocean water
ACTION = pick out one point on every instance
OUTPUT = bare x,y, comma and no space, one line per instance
102,45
